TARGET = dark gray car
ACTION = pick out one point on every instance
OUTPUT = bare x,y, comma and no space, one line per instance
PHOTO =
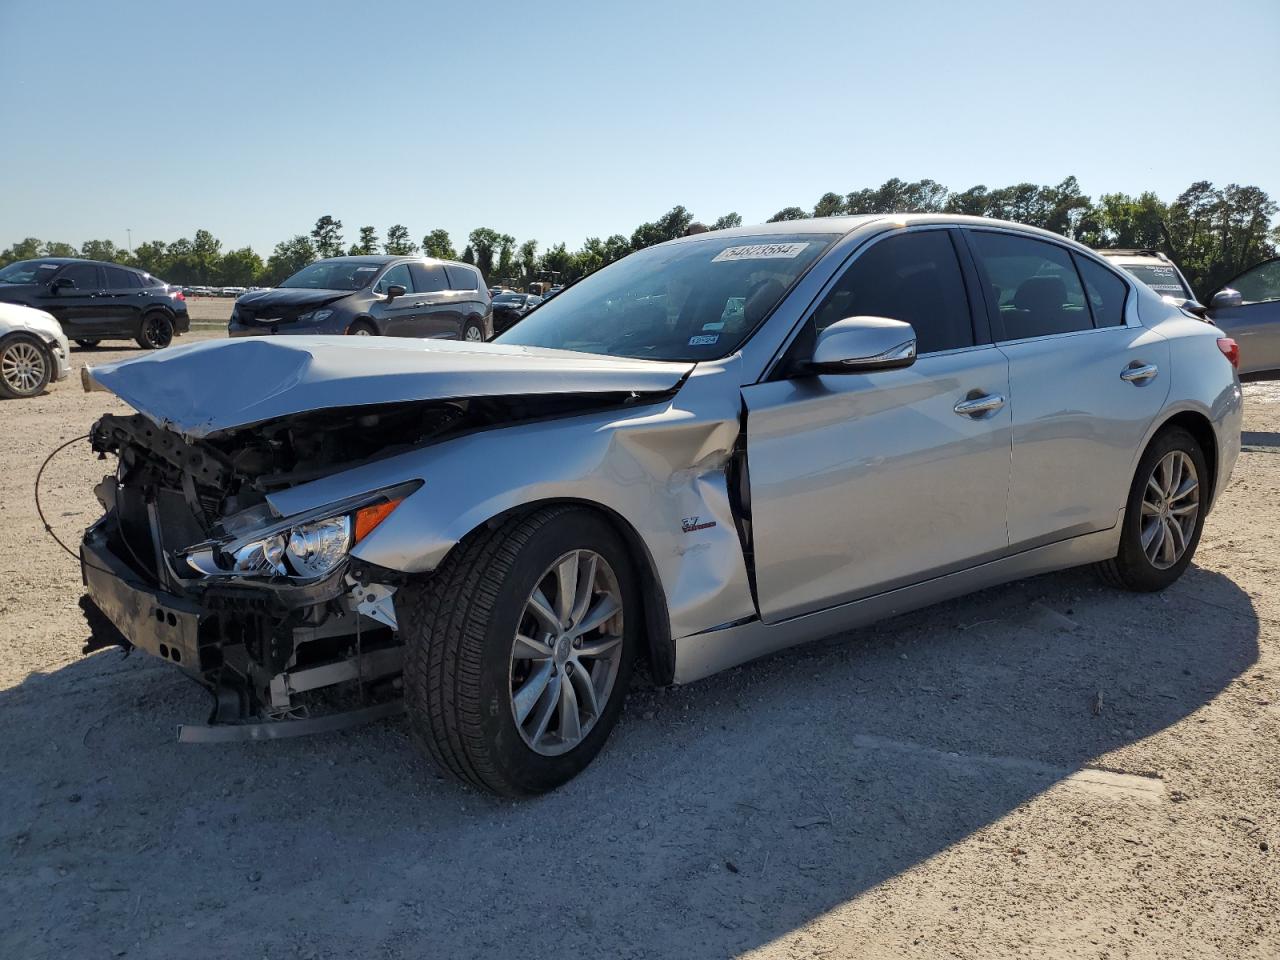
1247,309
372,296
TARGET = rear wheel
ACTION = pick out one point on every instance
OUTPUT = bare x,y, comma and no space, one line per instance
87,342
25,367
473,332
520,648
1164,515
156,331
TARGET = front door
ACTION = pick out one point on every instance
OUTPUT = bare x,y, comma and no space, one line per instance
861,483
78,308
1086,387
122,301
398,317
439,318
1255,323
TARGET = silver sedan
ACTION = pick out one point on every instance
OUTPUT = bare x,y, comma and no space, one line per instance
712,449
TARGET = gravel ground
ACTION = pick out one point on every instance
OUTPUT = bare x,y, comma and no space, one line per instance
1048,768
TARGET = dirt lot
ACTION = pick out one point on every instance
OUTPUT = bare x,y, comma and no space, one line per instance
1050,768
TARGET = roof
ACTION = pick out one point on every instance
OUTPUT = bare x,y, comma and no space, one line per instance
59,261
385,258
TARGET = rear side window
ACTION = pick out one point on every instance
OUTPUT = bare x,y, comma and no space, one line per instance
118,279
462,278
913,277
428,277
1033,284
1106,293
84,275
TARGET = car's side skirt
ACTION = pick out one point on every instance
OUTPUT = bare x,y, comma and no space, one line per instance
711,651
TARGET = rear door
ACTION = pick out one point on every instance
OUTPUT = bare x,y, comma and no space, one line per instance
861,483
470,298
122,301
1255,323
79,309
440,317
1086,386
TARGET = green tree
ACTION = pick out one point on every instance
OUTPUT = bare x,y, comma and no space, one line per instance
898,196
153,257
484,242
239,268
398,243
727,221
506,257
670,225
438,244
55,248
27,249
1131,222
288,258
468,256
788,213
367,244
829,205
528,261
326,237
103,250
974,202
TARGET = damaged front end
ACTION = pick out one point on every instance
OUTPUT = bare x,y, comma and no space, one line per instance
190,563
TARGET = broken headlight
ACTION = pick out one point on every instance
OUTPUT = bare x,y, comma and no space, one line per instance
306,547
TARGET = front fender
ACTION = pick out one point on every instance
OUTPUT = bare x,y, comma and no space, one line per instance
660,468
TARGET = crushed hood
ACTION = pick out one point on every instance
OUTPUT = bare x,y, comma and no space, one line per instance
289,297
205,388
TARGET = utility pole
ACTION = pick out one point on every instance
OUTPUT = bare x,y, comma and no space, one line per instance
129,232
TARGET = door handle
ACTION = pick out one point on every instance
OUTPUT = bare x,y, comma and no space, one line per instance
978,406
418,306
1139,373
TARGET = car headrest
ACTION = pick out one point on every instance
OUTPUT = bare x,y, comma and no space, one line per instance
1038,294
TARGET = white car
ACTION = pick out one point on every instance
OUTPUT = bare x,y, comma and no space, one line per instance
33,351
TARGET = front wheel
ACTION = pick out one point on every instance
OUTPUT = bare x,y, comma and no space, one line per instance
25,366
520,648
1164,515
362,328
156,332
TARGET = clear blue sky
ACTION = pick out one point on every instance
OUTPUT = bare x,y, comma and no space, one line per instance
563,120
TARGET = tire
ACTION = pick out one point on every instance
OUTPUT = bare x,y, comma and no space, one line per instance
25,366
465,684
156,331
362,328
1156,565
472,332
88,342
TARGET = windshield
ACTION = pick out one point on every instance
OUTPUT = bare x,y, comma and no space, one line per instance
694,300
26,271
513,298
1163,279
334,275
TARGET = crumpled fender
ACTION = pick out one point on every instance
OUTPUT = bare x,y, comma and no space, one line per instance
659,467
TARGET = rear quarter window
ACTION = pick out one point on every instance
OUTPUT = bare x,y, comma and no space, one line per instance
462,277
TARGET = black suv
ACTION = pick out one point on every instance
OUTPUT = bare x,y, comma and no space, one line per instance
98,301
372,296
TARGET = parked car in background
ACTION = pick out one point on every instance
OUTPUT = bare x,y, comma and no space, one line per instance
1247,308
372,296
96,301
200,291
33,351
1153,268
784,432
510,307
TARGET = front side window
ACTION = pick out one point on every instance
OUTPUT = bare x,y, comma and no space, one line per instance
1106,292
1260,284
83,275
397,275
1033,284
913,277
334,275
696,299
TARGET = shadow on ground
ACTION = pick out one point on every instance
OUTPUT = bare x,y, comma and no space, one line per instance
720,817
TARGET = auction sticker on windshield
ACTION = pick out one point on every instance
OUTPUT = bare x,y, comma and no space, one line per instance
761,251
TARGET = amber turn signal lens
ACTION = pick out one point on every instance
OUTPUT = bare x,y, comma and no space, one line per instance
369,517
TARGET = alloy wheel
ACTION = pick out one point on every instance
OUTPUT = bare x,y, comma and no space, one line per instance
157,331
473,334
1170,506
566,652
23,367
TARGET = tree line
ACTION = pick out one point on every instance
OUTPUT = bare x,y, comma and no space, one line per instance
1212,233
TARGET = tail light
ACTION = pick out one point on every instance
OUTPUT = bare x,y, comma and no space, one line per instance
177,295
1231,350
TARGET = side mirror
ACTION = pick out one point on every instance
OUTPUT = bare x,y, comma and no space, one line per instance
62,283
864,344
395,290
1226,297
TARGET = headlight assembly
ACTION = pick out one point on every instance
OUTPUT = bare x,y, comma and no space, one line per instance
304,548
314,316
